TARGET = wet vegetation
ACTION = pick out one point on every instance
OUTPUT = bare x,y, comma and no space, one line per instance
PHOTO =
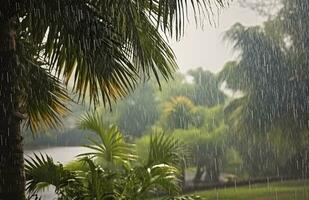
149,135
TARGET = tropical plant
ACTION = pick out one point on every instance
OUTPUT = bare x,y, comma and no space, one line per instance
129,180
102,47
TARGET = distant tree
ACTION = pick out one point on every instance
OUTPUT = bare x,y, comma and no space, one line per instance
179,86
206,152
138,111
206,90
179,113
261,74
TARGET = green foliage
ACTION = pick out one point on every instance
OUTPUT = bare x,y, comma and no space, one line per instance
179,86
144,109
102,48
269,70
90,177
213,118
165,149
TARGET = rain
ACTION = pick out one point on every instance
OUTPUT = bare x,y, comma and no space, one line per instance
154,100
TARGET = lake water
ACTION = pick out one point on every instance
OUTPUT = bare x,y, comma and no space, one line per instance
59,154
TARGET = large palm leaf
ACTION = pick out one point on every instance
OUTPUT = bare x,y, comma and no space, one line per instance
45,104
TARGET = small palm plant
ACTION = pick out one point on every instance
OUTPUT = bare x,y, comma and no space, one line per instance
111,150
111,170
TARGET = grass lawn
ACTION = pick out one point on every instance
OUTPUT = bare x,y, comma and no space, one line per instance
291,190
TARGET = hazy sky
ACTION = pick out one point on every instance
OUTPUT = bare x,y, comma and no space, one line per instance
206,48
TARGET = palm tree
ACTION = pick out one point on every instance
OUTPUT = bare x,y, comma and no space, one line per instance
101,47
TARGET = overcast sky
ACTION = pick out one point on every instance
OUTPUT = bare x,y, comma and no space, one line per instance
206,48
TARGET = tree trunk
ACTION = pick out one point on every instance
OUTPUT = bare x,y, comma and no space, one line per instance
199,173
12,178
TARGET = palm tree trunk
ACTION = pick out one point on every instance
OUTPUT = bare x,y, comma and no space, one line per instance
12,178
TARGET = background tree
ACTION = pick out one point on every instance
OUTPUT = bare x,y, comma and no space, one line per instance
179,113
206,90
139,111
274,93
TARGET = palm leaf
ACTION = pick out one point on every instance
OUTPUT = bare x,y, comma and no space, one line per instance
141,181
111,146
172,15
165,149
45,105
99,184
42,172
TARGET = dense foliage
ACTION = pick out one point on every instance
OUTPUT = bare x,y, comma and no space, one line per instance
111,169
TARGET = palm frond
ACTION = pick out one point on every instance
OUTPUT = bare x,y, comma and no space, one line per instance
42,172
165,149
111,147
40,94
46,100
165,177
172,15
93,122
99,184
143,180
85,46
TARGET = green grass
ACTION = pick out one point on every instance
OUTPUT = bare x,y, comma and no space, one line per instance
292,190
